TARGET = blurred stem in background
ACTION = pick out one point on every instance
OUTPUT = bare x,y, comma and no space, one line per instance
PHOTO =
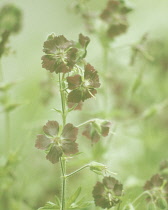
7,116
1,73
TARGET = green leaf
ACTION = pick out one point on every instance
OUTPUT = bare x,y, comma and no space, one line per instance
57,110
11,107
73,197
137,82
49,205
6,86
57,201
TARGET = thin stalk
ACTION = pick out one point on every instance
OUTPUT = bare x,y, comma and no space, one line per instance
7,128
63,170
62,161
84,123
105,58
137,198
1,72
62,99
80,169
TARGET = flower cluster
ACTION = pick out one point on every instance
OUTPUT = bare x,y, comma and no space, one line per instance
56,141
111,22
114,15
157,187
107,193
83,87
97,128
67,57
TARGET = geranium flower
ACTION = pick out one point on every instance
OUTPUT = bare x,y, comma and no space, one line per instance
158,189
55,143
115,18
83,87
107,193
97,128
60,54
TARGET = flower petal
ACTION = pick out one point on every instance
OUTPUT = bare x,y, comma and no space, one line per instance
51,128
75,96
91,134
118,188
69,147
42,142
77,106
88,93
49,63
105,127
117,29
84,40
70,132
54,154
99,196
157,180
54,43
74,81
110,182
91,76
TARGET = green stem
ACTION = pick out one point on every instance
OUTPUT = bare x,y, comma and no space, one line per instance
1,72
7,128
62,161
144,193
118,208
105,58
80,169
63,170
61,86
84,123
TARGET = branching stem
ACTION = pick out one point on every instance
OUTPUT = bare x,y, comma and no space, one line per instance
80,169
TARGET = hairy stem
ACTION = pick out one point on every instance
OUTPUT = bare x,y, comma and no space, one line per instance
63,99
80,169
144,193
63,171
63,161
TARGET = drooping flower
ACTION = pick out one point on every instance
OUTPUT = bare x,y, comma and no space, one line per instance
83,88
158,188
97,128
57,142
107,193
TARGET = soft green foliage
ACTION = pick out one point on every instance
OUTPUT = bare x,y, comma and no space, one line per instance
133,97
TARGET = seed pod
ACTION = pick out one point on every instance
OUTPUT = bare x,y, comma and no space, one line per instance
161,203
151,206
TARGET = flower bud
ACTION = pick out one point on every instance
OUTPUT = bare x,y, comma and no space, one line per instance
151,206
96,167
161,203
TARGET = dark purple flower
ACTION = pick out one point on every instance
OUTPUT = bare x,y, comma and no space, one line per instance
57,143
97,128
158,188
83,88
107,193
60,54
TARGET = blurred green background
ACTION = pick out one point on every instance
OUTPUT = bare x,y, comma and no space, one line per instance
139,134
